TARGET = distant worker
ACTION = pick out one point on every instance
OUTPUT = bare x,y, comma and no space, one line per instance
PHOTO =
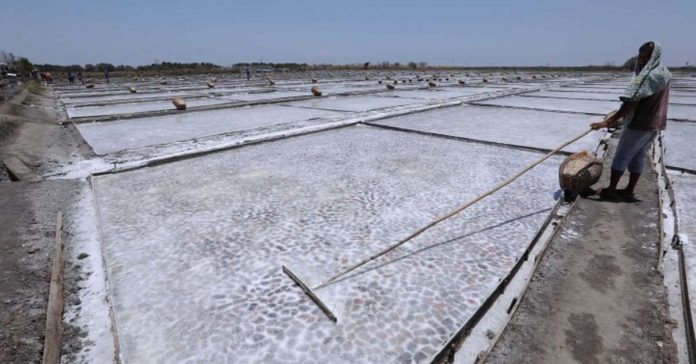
106,75
79,77
71,78
644,110
46,77
248,73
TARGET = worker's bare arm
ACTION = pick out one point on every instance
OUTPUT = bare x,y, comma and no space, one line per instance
626,108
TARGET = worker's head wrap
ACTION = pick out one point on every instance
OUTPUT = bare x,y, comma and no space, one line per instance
649,80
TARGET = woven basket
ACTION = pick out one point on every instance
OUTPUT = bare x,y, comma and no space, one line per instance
579,171
315,91
390,87
462,82
132,89
432,84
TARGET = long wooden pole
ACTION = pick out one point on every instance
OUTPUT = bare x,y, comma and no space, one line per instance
453,212
54,314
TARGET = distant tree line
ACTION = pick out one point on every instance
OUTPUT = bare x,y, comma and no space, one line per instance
166,66
22,65
13,64
287,66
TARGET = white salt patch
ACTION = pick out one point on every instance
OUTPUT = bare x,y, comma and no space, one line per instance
107,137
513,126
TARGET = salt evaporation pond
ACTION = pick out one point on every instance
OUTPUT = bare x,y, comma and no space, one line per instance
435,94
112,136
529,128
685,195
129,108
679,145
354,103
194,249
568,105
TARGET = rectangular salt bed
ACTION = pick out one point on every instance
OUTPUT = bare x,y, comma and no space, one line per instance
685,195
602,96
443,94
112,136
129,108
194,249
354,103
530,128
679,145
581,106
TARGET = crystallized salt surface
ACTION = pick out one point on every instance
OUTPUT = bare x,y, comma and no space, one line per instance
354,103
684,112
119,97
529,128
605,96
141,94
584,106
576,95
673,92
691,100
266,95
604,86
194,248
129,108
592,90
442,93
679,145
112,136
685,196
332,89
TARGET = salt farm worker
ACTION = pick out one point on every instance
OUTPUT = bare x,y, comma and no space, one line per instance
644,110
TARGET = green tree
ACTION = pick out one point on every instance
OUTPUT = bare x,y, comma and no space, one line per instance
24,66
101,67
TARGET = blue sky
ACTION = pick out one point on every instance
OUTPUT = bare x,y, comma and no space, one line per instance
467,33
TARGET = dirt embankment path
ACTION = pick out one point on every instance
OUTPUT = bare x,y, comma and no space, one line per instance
30,132
596,296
